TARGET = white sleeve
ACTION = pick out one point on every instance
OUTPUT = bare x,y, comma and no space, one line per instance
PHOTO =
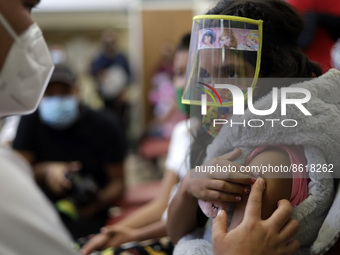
29,223
9,129
172,194
178,152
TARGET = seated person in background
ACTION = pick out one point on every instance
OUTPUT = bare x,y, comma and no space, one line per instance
77,154
111,71
147,222
161,95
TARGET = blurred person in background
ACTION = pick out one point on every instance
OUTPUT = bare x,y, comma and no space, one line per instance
162,95
77,154
112,73
154,143
58,53
148,222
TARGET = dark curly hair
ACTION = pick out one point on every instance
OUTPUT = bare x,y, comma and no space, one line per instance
184,42
282,25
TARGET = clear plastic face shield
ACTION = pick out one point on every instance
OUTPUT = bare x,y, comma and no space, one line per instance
224,62
224,50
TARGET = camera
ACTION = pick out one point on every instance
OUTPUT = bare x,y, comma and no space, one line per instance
83,191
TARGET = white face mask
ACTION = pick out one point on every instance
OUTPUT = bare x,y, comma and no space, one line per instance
26,71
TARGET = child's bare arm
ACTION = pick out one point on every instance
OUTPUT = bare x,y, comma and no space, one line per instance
278,186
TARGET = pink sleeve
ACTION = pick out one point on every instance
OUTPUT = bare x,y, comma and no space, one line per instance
300,179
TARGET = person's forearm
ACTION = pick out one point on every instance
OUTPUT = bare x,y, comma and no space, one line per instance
153,210
151,231
149,213
182,214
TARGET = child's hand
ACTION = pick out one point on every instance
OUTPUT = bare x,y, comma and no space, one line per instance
225,186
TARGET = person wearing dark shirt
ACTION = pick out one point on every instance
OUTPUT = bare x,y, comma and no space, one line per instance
77,154
112,74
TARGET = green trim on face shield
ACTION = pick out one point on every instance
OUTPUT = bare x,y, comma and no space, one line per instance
184,108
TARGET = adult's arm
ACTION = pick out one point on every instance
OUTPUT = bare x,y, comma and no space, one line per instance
272,236
278,185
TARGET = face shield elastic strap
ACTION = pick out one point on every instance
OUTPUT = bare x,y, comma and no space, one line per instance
8,27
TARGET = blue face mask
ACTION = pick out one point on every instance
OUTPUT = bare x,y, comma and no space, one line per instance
59,112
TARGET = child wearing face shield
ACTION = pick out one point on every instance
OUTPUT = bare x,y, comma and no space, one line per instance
279,57
177,165
77,154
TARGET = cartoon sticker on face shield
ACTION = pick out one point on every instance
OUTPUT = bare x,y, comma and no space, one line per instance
223,50
252,42
229,38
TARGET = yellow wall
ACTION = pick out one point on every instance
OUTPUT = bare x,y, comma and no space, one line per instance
160,26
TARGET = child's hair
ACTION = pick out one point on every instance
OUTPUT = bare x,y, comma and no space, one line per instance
281,56
184,43
228,32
